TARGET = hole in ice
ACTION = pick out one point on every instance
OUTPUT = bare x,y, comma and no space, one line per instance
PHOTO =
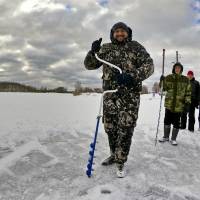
105,191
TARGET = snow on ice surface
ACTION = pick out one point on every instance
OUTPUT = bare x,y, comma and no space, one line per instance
44,151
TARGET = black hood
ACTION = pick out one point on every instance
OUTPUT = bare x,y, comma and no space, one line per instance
177,64
123,26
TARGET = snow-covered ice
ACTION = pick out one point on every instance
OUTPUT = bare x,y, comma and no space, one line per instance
44,151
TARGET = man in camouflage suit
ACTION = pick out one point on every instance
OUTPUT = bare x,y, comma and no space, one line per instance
177,99
120,109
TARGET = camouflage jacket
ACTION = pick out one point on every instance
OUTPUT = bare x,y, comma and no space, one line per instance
130,56
178,90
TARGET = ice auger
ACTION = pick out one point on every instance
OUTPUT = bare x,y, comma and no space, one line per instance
93,144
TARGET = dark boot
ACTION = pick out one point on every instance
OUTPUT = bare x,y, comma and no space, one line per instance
191,130
174,136
191,127
109,161
165,138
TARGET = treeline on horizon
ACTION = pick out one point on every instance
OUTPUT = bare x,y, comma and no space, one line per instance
18,87
78,89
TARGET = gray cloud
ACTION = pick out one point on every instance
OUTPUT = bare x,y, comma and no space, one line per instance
47,46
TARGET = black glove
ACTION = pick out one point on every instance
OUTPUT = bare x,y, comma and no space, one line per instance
162,78
125,80
96,46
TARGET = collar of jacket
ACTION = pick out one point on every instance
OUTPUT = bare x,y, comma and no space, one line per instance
193,79
177,75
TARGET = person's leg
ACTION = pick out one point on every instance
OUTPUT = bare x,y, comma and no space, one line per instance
110,126
199,117
110,120
183,120
127,118
191,118
124,144
167,126
176,125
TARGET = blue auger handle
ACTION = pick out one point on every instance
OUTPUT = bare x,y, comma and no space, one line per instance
92,149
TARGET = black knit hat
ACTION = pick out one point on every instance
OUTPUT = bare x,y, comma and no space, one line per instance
123,26
177,64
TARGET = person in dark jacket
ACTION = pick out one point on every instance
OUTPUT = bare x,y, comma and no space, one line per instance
120,109
199,118
178,97
199,110
194,104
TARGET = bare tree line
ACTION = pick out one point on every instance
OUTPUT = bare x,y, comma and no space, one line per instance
78,88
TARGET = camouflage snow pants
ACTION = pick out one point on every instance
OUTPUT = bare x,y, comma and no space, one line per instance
120,114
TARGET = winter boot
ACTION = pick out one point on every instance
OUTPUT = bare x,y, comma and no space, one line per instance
174,142
191,130
174,136
191,127
165,138
120,171
109,161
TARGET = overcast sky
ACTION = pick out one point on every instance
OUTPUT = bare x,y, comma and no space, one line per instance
44,42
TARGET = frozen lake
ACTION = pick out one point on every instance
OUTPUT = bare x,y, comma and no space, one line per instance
44,151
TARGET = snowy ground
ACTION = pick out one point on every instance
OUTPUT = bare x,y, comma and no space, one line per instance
44,150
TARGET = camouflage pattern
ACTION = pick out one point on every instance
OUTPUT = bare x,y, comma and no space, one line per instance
120,110
131,57
178,94
120,114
